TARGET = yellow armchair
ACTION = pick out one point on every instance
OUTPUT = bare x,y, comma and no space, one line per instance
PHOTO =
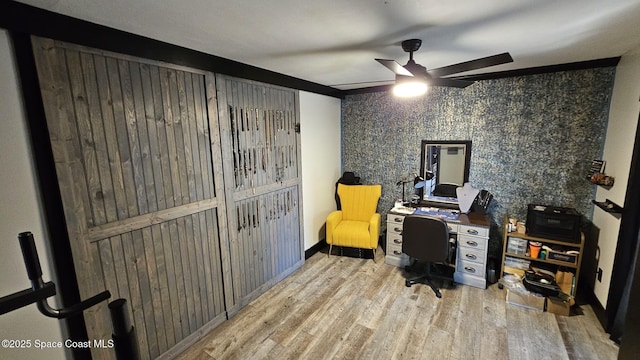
357,224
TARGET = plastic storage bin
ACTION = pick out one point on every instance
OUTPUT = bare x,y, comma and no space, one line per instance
516,245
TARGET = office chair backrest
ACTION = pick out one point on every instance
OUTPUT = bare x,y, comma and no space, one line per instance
425,238
359,202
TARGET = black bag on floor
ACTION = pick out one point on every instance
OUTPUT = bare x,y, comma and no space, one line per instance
540,283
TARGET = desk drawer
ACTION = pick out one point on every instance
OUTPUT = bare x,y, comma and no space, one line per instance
394,249
470,268
473,230
394,218
394,239
471,254
394,229
394,255
473,242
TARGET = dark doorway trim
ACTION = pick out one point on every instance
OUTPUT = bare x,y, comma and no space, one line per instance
625,263
68,290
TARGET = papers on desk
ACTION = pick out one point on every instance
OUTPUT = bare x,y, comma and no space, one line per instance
403,210
443,199
444,214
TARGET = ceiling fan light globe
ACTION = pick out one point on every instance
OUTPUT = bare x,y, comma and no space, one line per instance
410,88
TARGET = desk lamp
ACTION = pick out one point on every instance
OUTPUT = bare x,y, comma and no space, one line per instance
403,182
419,182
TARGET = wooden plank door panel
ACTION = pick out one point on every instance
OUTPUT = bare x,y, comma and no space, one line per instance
137,153
261,151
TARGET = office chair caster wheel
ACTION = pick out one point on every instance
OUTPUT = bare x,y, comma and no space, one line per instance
438,295
407,283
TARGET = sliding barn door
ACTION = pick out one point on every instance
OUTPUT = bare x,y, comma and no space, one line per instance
137,154
261,149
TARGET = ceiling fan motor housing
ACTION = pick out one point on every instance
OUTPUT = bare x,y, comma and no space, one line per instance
411,45
417,69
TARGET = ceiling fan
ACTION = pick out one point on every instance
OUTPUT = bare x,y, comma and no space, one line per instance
417,77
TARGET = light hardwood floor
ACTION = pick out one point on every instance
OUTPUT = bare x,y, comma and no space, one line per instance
346,308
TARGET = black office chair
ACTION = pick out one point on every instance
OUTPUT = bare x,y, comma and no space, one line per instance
426,239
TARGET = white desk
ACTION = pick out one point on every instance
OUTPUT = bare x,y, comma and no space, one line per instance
471,232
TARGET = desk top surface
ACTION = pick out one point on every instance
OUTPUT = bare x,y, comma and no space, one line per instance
472,218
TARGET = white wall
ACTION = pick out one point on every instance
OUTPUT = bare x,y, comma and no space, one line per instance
20,210
321,161
618,148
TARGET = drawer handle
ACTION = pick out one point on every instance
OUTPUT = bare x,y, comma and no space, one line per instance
471,256
472,243
398,230
397,219
396,252
397,241
469,269
472,232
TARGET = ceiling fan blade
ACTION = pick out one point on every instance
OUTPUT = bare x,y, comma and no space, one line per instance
395,67
450,82
365,84
471,65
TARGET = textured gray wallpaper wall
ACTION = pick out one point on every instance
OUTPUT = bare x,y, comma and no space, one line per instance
533,137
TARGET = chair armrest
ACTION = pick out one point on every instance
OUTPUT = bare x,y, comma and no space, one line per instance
374,230
333,219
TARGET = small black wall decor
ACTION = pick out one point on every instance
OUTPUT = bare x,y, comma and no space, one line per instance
533,136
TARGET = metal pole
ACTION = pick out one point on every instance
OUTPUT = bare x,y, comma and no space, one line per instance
124,335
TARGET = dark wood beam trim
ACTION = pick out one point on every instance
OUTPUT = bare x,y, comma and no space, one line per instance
591,64
580,65
27,19
24,18
366,90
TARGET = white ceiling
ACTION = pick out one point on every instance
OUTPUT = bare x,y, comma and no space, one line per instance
334,42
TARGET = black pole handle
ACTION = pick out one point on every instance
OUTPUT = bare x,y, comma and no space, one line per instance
120,317
30,255
124,335
34,271
74,309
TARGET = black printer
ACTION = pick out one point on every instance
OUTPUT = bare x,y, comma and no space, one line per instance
553,222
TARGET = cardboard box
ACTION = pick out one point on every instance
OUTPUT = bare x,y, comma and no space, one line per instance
558,306
565,281
526,300
513,271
